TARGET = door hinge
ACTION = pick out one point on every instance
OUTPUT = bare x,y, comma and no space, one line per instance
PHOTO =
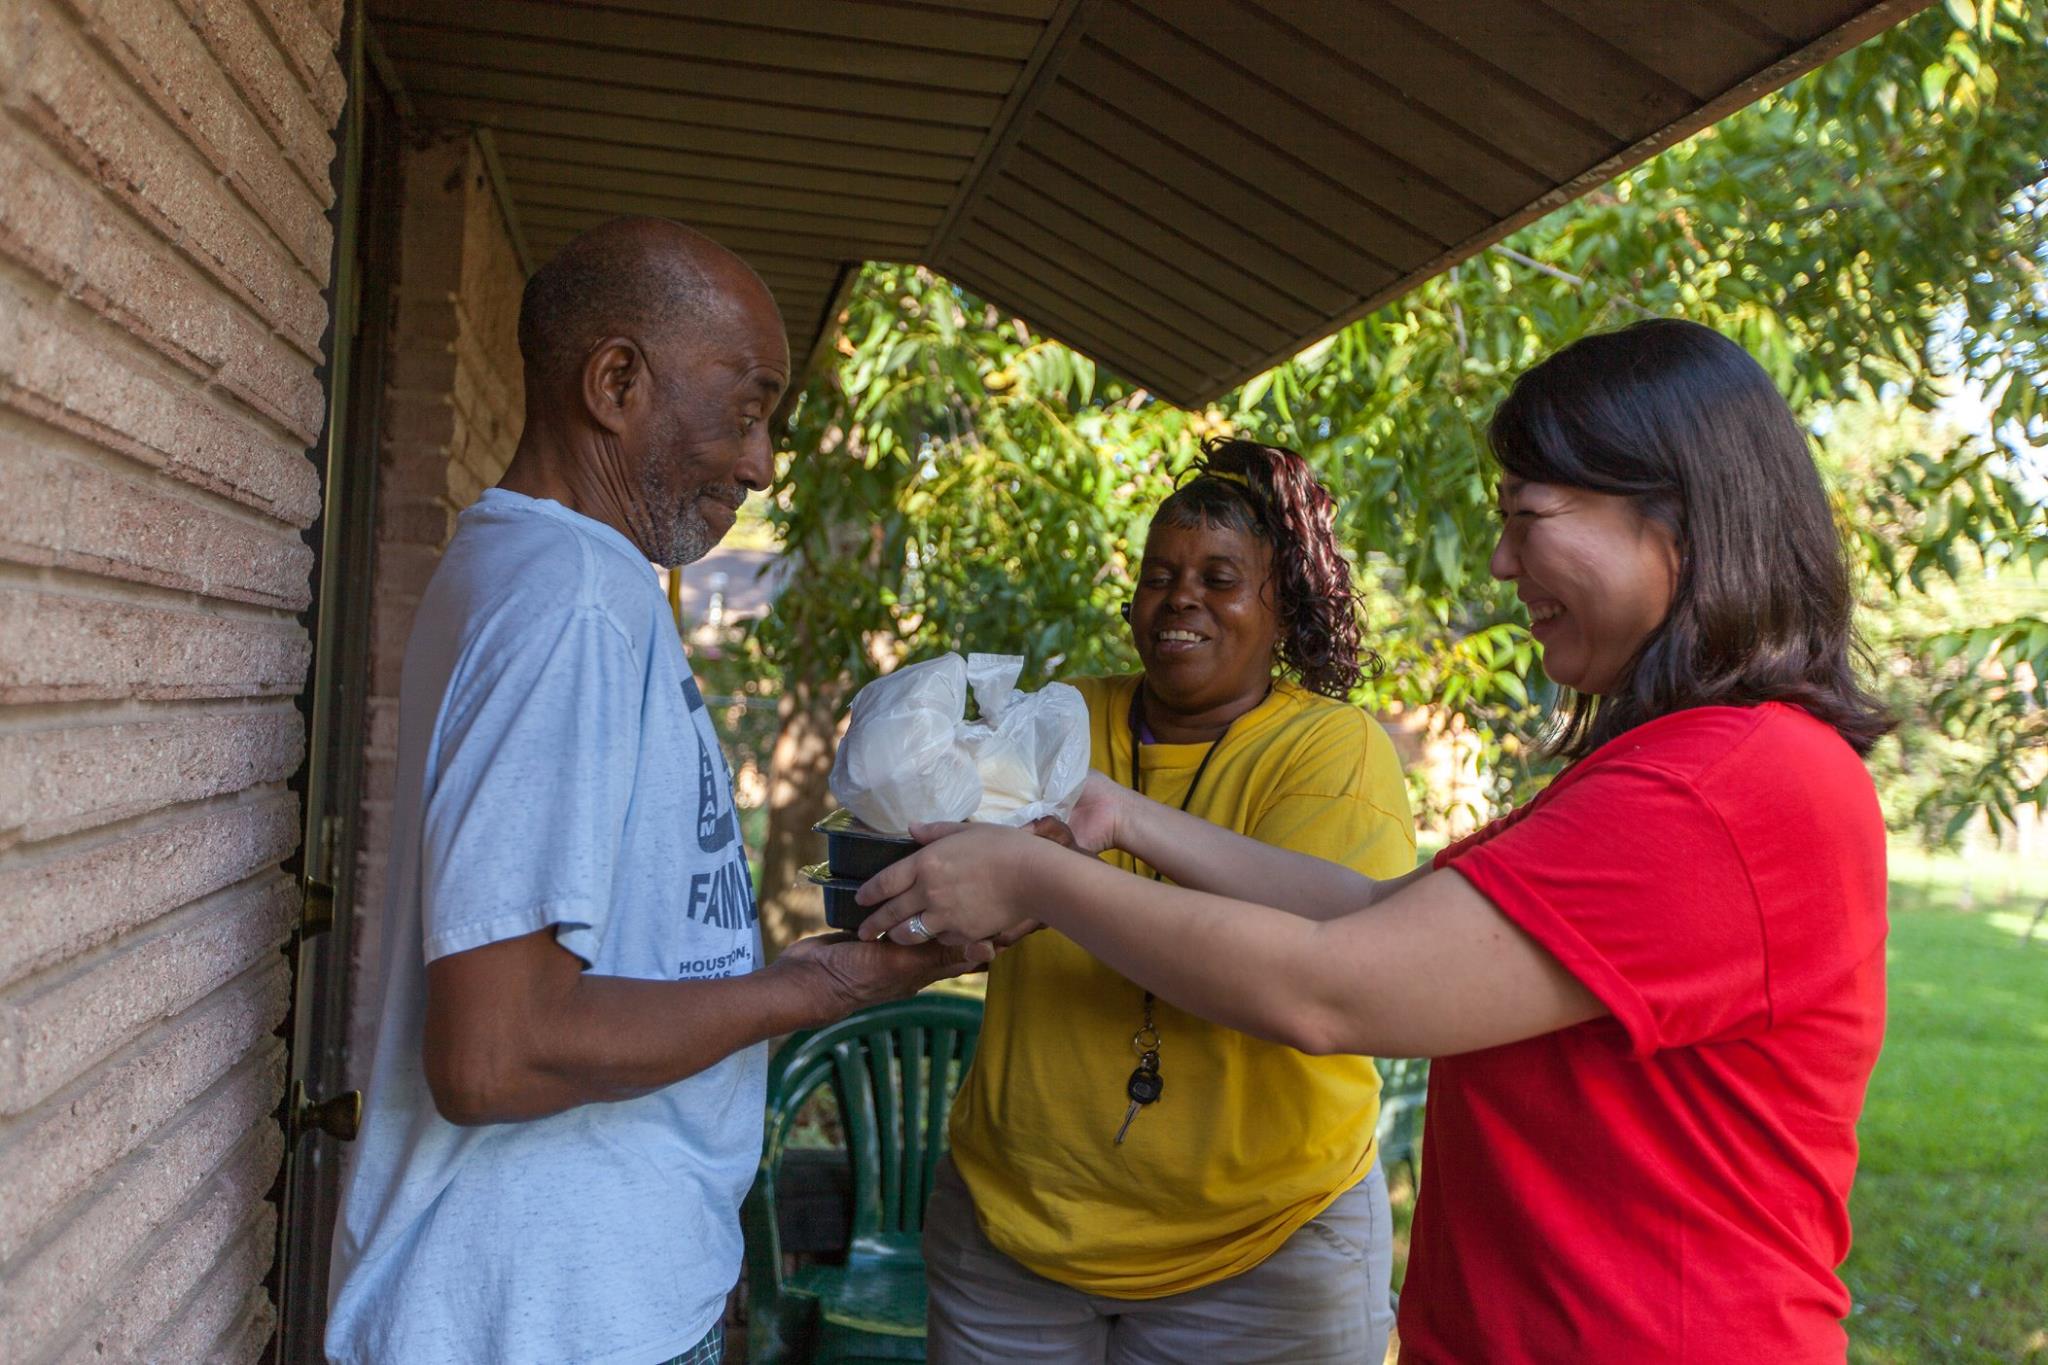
316,888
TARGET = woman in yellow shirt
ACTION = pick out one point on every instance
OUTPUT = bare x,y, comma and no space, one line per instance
1242,1215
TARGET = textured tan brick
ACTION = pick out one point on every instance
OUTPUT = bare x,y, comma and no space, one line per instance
219,1138
405,570
161,251
68,903
418,426
79,514
45,222
58,366
439,175
209,1325
387,662
166,58
52,221
83,107
366,968
383,714
165,1216
464,484
472,378
150,1304
371,870
414,475
416,522
427,317
130,276
54,1028
390,632
57,647
483,461
416,471
379,776
252,1343
134,279
61,780
54,1155
274,379
311,47
33,504
130,272
265,75
376,828
423,367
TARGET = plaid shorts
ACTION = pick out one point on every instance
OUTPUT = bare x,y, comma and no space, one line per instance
710,1351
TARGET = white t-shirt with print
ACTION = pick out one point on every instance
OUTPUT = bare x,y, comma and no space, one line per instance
556,769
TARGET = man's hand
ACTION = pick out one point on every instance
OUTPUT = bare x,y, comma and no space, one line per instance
851,975
1053,828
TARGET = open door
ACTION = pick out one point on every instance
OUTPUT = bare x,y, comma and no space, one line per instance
319,1113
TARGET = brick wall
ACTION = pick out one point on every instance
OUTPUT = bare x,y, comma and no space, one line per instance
454,406
164,251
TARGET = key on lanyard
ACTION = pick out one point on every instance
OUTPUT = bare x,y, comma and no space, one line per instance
1144,1087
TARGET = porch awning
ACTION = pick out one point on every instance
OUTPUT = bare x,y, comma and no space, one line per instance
1188,190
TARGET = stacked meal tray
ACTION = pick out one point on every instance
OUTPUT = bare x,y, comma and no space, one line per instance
853,853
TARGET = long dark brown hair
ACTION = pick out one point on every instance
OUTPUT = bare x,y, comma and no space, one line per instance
1685,422
1270,492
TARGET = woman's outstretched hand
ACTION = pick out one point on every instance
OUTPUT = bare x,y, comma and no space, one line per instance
964,886
1094,823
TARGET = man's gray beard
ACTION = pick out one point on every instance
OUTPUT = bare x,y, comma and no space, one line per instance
682,536
687,538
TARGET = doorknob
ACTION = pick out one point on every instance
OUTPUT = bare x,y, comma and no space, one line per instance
338,1116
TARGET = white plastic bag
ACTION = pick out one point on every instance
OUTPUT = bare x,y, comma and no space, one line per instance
1030,748
902,760
909,755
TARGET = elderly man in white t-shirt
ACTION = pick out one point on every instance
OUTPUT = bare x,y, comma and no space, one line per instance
565,1106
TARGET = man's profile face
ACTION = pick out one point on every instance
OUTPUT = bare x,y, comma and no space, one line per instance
706,440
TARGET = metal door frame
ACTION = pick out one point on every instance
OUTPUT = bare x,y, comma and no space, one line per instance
316,1111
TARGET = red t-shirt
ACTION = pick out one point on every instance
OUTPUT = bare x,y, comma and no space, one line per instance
1669,1183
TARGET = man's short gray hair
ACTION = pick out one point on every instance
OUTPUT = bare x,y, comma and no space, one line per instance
639,277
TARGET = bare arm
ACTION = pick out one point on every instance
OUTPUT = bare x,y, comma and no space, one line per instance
1205,857
518,1030
1431,970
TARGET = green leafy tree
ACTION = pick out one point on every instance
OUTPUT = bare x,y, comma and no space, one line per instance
1875,230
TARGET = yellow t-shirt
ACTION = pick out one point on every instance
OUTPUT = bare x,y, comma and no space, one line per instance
1250,1139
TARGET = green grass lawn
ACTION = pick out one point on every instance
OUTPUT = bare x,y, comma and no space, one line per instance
1951,1202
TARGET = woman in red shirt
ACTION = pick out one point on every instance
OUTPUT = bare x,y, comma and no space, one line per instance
1656,992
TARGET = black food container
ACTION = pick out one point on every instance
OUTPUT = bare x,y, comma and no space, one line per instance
842,911
853,850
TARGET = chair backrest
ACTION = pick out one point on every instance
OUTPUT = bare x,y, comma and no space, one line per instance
1404,1089
893,1069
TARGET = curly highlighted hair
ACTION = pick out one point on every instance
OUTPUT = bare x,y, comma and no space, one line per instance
1271,493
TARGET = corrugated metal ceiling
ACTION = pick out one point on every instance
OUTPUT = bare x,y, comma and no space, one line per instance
1189,191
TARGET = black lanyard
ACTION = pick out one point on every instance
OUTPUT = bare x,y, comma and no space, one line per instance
1137,700
1146,1040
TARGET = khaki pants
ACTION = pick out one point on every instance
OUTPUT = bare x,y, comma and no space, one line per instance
1321,1299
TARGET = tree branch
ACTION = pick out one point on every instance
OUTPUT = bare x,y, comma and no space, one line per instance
1543,268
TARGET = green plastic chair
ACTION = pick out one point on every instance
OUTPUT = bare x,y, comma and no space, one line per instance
893,1069
1404,1086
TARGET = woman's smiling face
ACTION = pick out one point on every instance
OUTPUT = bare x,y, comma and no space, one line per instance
1203,618
1596,575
